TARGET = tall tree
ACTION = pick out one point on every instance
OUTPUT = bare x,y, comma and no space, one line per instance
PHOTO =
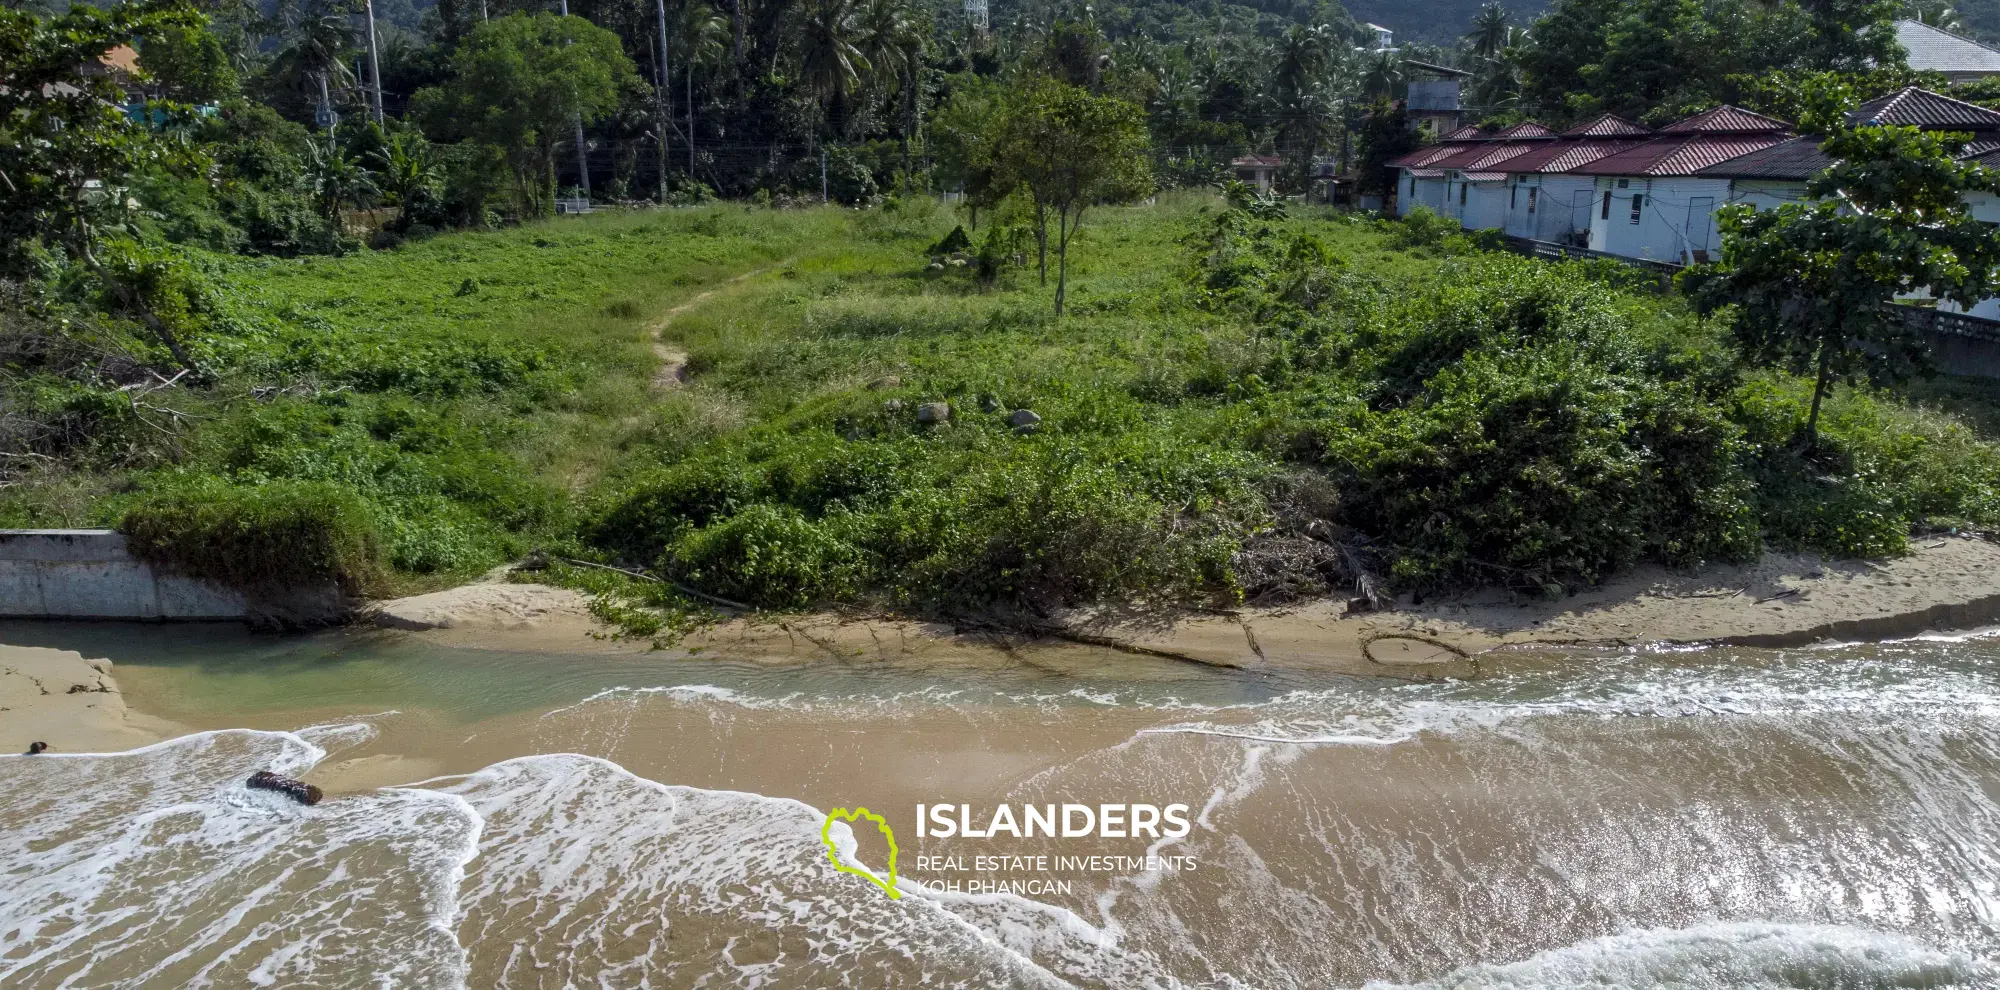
703,36
1812,283
1070,150
520,83
830,59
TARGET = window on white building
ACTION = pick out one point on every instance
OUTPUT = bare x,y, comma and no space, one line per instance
1637,200
1531,198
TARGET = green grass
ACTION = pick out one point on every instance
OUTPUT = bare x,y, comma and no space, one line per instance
1232,407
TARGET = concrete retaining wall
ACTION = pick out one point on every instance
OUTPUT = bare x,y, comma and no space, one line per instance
87,574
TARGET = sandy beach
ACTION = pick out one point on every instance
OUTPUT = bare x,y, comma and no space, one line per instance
1782,600
70,702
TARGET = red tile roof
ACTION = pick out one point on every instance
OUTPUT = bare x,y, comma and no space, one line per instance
1683,154
1563,156
1607,125
1432,153
1467,133
1483,176
1524,130
1727,120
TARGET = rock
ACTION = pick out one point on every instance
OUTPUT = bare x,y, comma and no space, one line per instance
297,790
886,381
934,266
988,403
892,406
37,748
958,262
1024,421
933,412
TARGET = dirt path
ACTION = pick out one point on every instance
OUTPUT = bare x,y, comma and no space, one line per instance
672,372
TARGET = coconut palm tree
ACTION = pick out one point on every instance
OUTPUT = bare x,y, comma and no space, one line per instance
831,62
704,36
1384,71
1936,13
1490,32
892,40
315,63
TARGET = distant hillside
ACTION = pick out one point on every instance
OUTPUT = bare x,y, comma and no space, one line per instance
1441,22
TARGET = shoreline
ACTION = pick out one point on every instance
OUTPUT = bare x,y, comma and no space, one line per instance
73,703
1782,600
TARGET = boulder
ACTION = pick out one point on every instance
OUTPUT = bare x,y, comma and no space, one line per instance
933,412
1024,421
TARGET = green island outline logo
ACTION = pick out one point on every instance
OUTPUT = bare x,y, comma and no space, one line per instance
845,815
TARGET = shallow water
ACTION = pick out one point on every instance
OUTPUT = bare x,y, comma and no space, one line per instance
1689,818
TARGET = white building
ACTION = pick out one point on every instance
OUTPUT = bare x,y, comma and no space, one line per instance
1545,200
1651,202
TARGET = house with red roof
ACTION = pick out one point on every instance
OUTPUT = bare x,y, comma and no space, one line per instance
1546,199
1651,200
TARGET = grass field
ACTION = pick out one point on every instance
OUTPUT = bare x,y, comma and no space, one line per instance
1233,407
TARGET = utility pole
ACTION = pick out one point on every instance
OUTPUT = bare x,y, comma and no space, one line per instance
822,176
374,62
582,152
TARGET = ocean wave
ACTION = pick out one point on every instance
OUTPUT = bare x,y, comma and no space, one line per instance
1742,955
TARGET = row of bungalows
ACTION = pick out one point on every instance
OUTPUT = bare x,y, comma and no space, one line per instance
1613,186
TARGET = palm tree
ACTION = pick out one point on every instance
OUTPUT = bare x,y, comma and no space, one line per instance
892,40
1384,71
1936,13
830,61
1490,32
1302,57
316,60
703,32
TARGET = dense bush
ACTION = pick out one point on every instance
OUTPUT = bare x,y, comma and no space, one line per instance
278,534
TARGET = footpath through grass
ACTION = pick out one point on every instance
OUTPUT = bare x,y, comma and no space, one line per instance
1236,407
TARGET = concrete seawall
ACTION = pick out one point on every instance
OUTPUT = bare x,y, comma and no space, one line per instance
89,574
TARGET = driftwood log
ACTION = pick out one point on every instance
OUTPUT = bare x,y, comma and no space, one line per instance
297,790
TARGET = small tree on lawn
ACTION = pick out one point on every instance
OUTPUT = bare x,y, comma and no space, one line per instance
1069,149
1812,282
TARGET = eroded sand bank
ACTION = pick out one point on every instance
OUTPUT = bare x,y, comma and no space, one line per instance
69,702
1782,600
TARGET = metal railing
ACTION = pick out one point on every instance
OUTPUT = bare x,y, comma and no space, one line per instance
1928,320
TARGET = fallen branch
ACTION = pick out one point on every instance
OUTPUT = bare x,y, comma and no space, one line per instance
1773,598
676,585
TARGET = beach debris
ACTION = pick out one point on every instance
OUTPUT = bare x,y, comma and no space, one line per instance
1781,594
297,790
37,748
934,412
1938,544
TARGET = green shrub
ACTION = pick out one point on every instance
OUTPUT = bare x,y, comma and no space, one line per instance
772,556
275,535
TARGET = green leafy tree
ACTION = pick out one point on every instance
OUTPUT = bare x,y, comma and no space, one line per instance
1070,150
703,41
962,139
1812,283
188,65
66,147
520,83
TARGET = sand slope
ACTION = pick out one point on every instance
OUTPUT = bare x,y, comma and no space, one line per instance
60,698
1782,600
